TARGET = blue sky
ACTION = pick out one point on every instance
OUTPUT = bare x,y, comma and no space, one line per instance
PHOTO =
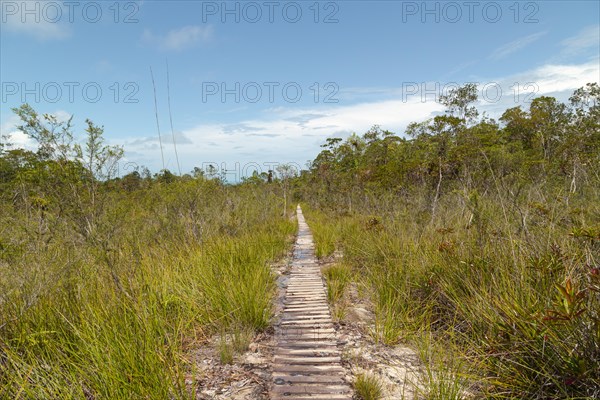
294,73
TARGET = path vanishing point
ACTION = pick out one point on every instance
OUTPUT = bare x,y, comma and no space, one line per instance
307,357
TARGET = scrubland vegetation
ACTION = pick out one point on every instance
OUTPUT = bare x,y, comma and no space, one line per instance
107,283
476,242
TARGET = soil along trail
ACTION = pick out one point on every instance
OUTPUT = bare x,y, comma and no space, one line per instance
307,359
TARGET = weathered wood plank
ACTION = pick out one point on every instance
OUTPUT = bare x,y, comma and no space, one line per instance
308,369
311,389
331,351
281,379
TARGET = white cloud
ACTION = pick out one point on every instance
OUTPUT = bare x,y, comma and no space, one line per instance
39,23
15,138
62,116
557,80
516,45
179,39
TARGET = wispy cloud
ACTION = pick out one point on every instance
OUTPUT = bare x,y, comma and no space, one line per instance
303,119
166,138
514,46
460,67
587,38
179,39
240,128
265,134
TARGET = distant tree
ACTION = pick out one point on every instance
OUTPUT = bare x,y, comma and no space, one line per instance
4,142
255,178
132,181
98,159
459,102
165,176
198,173
212,172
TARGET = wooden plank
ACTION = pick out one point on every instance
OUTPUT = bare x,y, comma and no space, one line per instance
311,389
278,396
313,359
308,369
281,379
319,321
308,305
304,313
306,344
308,329
307,319
331,351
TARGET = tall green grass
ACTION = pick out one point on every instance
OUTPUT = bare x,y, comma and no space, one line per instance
113,316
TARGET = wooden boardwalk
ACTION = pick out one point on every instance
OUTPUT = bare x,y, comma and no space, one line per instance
307,358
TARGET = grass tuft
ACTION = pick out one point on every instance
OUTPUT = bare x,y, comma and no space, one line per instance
368,387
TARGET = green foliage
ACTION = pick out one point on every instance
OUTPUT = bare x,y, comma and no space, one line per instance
478,236
337,277
442,378
106,282
368,387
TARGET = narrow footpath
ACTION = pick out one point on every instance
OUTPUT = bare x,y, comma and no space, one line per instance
307,357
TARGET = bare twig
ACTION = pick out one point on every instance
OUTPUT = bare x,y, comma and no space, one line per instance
171,118
162,156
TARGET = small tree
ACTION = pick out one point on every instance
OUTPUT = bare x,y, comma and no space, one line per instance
67,165
54,137
285,172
